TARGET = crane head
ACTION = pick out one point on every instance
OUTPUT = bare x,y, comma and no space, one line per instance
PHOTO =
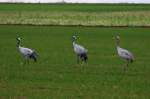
18,39
117,37
74,38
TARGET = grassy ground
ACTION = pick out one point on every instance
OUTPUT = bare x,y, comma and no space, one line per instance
75,7
56,74
76,14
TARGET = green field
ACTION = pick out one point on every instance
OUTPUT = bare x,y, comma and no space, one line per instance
56,75
75,7
76,14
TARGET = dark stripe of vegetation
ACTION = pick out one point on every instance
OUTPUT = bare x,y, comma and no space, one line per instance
75,7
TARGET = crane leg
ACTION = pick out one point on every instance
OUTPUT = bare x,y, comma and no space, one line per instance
78,60
26,60
126,66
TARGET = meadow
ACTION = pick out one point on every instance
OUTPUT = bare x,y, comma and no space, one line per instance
76,14
56,75
48,29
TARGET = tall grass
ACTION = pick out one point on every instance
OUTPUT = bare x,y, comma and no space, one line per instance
127,18
76,14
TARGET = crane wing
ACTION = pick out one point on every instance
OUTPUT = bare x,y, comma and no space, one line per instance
126,54
25,51
80,49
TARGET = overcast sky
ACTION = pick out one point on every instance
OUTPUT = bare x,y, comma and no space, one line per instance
79,1
111,1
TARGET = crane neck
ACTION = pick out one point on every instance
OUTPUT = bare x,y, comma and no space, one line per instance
73,43
118,43
18,43
118,47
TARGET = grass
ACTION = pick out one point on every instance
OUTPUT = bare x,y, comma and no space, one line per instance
56,74
77,18
76,14
75,7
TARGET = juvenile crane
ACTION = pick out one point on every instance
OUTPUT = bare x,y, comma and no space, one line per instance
26,52
123,53
79,50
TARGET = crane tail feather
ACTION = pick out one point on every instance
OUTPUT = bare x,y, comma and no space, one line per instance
34,56
84,57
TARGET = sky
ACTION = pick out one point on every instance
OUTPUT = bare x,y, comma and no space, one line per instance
80,1
111,1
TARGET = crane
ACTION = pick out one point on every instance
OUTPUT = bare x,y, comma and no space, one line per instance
26,52
124,53
79,50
